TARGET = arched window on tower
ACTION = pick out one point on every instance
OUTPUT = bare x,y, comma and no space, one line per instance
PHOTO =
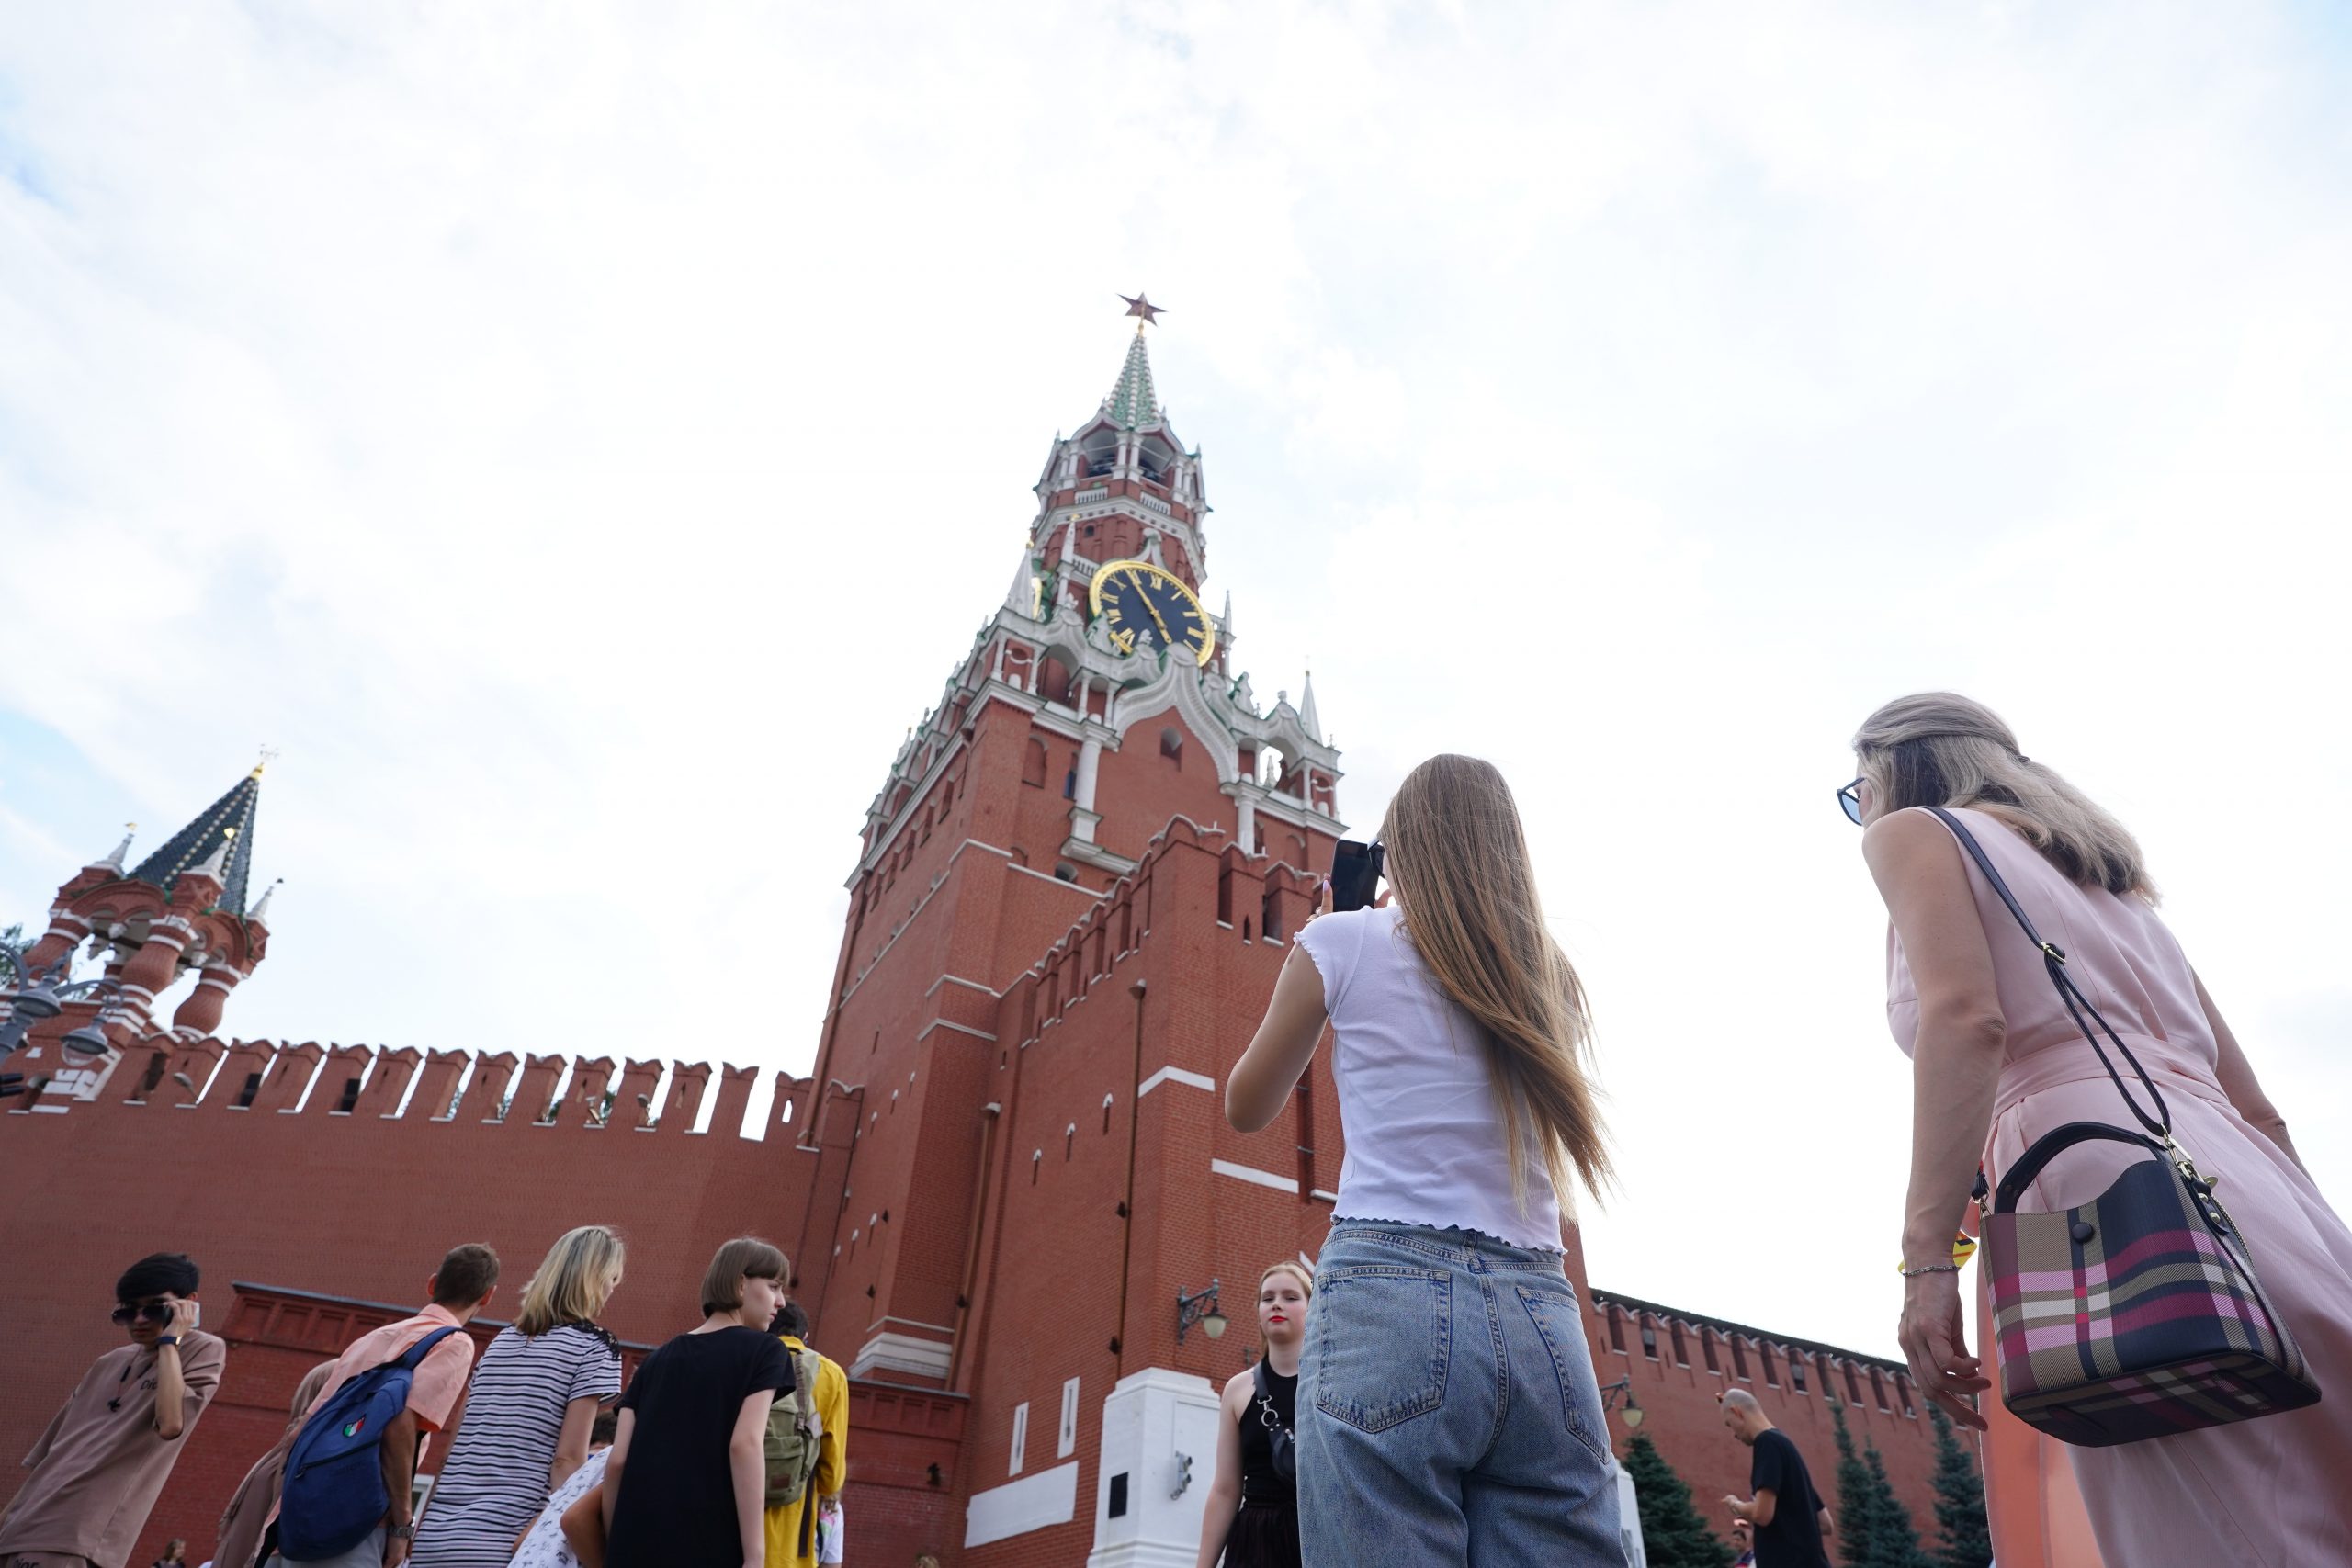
1032,764
1171,745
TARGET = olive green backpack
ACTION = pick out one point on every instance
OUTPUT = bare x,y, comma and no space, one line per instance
795,1432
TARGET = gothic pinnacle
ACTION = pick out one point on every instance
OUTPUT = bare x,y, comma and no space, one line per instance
115,862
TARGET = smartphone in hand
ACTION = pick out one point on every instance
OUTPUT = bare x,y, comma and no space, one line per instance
1355,874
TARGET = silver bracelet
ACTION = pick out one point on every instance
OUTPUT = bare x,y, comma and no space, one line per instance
1929,1268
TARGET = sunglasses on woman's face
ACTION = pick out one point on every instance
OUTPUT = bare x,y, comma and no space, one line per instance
145,1312
1849,800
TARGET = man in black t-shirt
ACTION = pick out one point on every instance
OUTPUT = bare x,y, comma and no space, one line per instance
1782,1506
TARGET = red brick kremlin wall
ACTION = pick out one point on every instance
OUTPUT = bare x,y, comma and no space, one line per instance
359,1207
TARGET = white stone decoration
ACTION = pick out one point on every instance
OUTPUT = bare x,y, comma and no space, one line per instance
1151,1421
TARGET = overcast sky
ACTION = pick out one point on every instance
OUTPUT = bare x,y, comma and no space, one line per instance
583,437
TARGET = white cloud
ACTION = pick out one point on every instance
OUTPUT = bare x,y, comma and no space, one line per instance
585,446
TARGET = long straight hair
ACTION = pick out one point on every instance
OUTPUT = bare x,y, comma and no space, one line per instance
1457,856
1939,748
574,1283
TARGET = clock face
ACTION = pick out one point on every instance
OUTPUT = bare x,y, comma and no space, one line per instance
1141,604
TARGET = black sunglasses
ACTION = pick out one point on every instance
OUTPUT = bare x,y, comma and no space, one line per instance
145,1312
1849,800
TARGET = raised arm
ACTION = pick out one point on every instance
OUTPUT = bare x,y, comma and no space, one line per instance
2239,1083
1284,1043
1955,1067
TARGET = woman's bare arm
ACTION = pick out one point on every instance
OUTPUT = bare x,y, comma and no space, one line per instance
1224,1500
610,1487
571,1442
1955,1068
747,1458
1284,1043
2239,1083
583,1530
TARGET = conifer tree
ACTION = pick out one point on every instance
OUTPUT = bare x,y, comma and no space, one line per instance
1673,1535
1857,1536
1959,1502
1895,1542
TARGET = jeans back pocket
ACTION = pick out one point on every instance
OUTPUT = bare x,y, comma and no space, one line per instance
1383,1340
1556,1319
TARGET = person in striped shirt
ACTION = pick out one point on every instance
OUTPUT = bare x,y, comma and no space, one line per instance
526,1422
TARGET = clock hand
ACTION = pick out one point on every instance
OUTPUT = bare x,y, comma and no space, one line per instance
1167,637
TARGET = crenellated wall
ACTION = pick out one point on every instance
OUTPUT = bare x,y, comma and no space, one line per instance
284,1185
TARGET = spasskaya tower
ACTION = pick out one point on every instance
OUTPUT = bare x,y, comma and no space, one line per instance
1071,901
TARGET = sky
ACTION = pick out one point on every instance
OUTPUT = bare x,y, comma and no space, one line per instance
582,439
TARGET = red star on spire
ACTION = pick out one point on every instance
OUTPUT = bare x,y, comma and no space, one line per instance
1141,305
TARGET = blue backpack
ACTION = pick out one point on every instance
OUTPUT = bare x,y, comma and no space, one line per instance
334,1495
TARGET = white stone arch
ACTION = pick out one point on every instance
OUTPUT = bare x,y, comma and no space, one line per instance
1177,690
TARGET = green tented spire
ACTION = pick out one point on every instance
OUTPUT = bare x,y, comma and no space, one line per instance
1133,405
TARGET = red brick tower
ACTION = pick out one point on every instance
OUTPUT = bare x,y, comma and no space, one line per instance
1096,790
1091,710
181,911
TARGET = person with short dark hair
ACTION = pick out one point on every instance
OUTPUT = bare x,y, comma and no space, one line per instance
461,1287
686,1480
97,1469
1781,1508
798,1532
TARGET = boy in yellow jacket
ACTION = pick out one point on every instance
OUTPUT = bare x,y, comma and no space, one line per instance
792,1529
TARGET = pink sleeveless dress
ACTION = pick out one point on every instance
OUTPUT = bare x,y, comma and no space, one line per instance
2272,1493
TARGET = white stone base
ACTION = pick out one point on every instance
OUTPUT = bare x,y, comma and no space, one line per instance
1049,1497
1151,1422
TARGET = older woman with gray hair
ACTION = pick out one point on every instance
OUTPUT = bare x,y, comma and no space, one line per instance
2001,1058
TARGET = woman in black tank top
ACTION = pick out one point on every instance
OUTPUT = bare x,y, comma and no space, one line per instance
1251,1512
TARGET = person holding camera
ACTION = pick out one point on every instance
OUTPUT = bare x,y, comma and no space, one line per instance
1251,1514
97,1470
1447,1408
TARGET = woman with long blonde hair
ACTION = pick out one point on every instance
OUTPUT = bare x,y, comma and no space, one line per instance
1448,1411
1997,1062
527,1417
1251,1513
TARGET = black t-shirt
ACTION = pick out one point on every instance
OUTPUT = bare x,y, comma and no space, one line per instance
676,1507
1260,1482
1793,1538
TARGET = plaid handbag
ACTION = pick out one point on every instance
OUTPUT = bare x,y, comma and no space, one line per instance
2136,1315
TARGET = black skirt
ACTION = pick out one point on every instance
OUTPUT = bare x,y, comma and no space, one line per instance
1264,1535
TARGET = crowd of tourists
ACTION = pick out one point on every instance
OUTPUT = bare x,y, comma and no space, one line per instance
2175,1357
727,1447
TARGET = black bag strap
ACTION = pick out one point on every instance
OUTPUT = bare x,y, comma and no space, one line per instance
1267,1414
2053,960
2054,1143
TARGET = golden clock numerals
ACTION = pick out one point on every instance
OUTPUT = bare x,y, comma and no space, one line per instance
1123,641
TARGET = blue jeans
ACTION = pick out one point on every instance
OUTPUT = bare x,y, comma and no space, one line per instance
1447,1411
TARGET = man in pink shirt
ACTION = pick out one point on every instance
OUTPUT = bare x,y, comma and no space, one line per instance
97,1470
461,1287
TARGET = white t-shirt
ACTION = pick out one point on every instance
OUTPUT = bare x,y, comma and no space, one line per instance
1417,1102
